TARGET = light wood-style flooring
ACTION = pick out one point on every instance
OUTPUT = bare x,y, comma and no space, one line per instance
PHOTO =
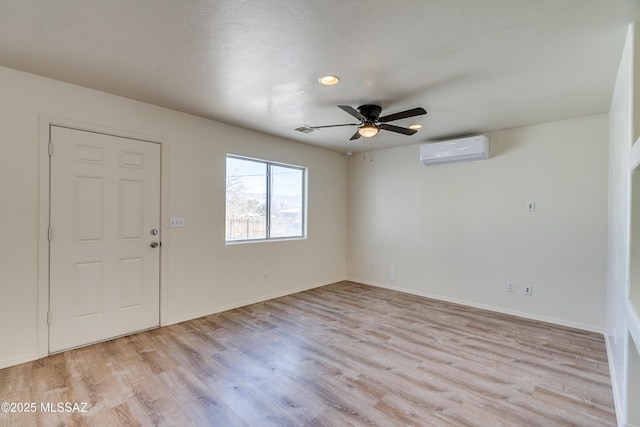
344,354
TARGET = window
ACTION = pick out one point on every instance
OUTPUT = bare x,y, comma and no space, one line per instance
265,200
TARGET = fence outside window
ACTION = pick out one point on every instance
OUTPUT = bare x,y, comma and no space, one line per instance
253,227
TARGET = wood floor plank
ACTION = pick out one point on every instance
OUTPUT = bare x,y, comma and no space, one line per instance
340,355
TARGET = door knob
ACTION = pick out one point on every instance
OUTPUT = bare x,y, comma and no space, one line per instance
154,244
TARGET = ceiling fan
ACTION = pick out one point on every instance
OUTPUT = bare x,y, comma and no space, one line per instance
371,122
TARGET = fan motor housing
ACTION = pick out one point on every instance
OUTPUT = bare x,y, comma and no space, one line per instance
370,111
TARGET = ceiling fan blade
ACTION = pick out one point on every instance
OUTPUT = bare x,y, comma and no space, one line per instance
333,126
355,135
403,115
397,129
352,111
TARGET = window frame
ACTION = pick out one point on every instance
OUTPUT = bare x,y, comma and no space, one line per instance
268,198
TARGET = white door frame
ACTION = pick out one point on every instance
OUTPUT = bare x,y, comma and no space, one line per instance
44,211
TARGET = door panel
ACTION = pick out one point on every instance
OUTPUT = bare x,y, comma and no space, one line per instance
89,194
88,288
104,274
131,280
131,209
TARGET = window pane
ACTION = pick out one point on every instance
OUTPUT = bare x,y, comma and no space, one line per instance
286,201
246,199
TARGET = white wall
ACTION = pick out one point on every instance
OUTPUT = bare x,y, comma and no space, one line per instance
460,232
622,133
202,274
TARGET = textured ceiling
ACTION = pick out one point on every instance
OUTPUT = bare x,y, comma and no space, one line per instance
474,65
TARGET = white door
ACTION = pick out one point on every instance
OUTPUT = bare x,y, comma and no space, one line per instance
105,217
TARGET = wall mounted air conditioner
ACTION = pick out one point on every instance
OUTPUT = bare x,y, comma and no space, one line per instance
455,150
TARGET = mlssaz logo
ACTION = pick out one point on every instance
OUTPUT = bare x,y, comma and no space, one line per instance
66,407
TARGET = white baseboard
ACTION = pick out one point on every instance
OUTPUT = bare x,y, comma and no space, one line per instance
502,310
30,357
214,310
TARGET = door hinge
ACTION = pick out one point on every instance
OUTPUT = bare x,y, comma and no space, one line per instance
50,149
48,317
50,233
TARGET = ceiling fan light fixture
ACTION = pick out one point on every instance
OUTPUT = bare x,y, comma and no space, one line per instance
329,80
415,126
369,130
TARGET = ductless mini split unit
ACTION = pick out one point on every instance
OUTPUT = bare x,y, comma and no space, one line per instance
455,150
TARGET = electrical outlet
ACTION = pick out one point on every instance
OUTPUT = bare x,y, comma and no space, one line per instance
266,276
370,266
528,290
510,287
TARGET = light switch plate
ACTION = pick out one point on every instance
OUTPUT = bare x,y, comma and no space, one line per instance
175,222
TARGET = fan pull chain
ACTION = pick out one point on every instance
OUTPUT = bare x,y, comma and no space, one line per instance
364,150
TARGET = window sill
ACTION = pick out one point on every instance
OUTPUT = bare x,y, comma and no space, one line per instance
279,239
